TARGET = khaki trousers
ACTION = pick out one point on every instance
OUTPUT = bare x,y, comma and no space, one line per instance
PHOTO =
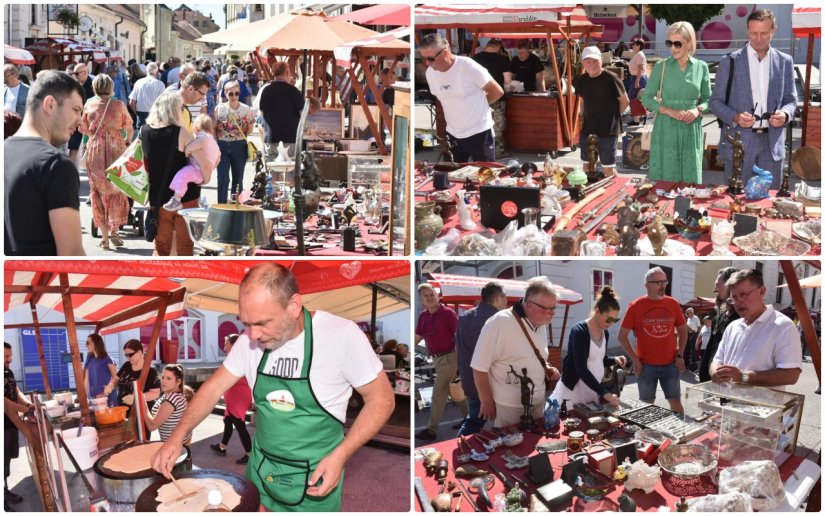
446,369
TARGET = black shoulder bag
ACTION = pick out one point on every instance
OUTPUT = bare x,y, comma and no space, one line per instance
150,227
727,89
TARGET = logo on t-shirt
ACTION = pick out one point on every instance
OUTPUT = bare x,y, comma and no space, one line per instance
281,400
657,323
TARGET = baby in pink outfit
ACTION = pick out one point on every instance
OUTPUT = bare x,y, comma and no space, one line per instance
204,155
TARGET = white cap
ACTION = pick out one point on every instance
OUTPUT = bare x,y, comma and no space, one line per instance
591,53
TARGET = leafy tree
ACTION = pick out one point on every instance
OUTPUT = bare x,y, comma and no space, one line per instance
696,14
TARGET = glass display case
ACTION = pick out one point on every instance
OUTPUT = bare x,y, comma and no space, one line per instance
752,423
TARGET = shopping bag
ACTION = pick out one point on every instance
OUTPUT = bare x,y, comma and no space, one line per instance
646,135
128,173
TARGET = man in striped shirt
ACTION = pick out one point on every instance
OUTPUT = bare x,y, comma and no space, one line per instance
144,94
194,107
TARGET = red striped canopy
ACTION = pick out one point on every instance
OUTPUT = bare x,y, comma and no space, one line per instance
52,46
382,14
17,55
456,288
507,21
164,277
806,20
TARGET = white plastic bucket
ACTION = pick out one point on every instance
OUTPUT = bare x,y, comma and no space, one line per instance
83,448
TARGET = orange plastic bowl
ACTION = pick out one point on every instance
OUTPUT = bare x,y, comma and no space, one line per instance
111,416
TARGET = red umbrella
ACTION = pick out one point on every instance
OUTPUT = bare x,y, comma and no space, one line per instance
381,14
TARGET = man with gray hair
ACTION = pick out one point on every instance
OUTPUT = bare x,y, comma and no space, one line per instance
146,91
660,329
465,90
762,348
516,340
724,315
14,91
436,326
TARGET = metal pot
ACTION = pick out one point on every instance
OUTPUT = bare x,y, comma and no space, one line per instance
123,488
196,223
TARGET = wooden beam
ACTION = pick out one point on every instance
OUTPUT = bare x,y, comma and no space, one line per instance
363,101
71,331
560,99
44,279
373,86
144,308
808,329
153,342
102,291
41,355
45,325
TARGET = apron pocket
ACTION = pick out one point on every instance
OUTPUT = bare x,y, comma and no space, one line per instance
284,480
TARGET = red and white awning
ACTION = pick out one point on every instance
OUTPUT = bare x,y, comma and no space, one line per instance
167,276
806,21
17,55
456,288
51,46
343,53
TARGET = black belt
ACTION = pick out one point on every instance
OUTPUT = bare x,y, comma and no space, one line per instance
436,355
760,130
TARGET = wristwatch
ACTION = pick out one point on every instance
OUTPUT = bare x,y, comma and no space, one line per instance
745,376
679,355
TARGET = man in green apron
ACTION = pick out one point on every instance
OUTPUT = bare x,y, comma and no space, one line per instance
303,368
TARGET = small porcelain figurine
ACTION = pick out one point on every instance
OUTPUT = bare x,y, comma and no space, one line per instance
551,205
465,216
641,476
721,234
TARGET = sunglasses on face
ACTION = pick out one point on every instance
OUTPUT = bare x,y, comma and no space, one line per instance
661,283
669,43
545,308
611,320
233,94
433,58
130,355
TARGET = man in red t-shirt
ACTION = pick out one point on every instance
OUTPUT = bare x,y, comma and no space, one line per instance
436,326
660,329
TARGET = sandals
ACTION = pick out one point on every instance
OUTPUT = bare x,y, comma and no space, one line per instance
116,240
104,245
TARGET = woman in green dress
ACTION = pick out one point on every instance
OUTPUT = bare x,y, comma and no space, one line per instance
676,148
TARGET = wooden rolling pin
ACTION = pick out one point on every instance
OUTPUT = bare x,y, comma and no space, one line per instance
567,217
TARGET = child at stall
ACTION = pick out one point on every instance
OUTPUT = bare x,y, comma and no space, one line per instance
204,156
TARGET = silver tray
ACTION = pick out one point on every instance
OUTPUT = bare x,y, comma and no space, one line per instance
809,232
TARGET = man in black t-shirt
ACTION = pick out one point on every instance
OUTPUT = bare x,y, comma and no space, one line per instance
497,64
42,185
527,68
281,104
604,99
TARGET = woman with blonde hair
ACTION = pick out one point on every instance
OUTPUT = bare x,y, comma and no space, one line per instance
676,147
164,138
107,123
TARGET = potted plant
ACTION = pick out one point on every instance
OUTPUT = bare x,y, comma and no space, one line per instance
68,18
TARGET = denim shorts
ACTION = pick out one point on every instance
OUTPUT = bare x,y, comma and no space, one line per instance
667,375
607,149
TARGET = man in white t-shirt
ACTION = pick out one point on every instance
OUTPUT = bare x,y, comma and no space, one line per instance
762,347
303,368
465,90
693,324
504,354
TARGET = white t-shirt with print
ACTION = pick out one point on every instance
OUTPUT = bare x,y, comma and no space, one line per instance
466,109
342,359
502,344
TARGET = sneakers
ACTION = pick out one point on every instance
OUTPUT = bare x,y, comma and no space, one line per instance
242,460
217,447
174,204
426,435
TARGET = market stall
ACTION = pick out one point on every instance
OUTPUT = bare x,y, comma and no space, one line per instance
583,218
116,296
543,122
807,23
336,59
56,53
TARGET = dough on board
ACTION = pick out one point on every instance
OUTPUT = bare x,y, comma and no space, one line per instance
169,493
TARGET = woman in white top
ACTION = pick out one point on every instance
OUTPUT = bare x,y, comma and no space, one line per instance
638,71
173,401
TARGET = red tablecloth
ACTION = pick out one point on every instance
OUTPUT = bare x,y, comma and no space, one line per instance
702,246
331,238
644,502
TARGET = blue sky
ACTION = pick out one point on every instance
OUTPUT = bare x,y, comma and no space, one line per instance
216,10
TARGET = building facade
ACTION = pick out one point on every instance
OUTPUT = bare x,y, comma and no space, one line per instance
199,21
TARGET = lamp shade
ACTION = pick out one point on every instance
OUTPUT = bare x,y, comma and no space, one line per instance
233,224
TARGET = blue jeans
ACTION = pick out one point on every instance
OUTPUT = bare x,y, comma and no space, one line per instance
667,375
233,154
472,423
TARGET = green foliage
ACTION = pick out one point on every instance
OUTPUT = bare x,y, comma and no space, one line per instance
696,14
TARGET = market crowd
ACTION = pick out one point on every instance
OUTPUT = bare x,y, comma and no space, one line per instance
500,353
754,98
191,119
